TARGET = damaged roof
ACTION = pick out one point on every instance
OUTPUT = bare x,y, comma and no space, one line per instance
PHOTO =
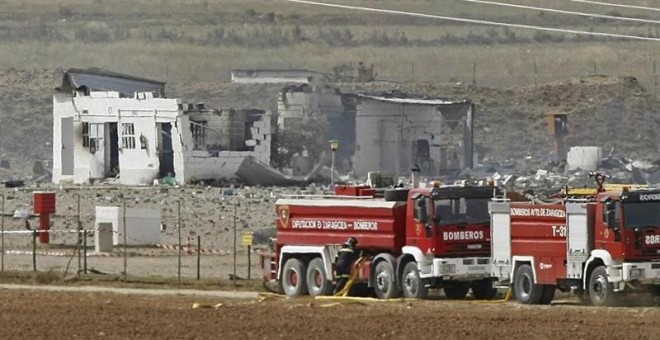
95,79
413,100
279,71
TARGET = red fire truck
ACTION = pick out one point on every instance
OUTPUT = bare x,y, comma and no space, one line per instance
599,247
411,240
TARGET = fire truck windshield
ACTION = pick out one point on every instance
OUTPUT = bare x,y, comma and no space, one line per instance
641,214
461,211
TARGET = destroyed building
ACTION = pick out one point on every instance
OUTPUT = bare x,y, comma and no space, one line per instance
113,125
386,133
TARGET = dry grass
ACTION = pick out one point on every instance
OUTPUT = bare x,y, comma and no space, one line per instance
173,40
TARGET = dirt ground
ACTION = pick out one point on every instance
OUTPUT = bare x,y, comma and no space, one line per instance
57,315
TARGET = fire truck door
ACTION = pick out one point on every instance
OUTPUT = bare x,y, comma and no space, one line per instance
500,231
578,236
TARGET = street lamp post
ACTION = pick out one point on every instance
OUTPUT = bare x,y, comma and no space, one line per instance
334,145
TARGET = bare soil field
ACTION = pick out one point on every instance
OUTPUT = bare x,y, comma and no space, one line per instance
56,315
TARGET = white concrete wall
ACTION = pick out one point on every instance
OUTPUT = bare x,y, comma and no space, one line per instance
199,166
298,105
138,165
62,108
385,133
294,105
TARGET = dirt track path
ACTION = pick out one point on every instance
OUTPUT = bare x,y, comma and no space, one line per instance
32,314
135,291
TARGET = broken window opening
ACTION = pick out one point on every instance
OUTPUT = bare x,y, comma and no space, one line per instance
92,146
198,129
128,136
247,136
85,134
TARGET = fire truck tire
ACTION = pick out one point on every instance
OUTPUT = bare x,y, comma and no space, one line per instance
396,195
456,290
412,285
548,294
583,297
601,291
484,290
385,285
317,279
527,292
293,278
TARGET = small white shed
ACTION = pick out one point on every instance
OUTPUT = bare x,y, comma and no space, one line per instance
143,225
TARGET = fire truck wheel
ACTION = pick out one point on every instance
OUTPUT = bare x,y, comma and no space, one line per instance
548,294
484,290
293,278
527,292
385,285
317,280
583,297
601,291
456,290
412,285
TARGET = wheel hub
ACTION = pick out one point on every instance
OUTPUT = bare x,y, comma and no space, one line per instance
411,283
598,287
293,278
318,279
382,281
526,286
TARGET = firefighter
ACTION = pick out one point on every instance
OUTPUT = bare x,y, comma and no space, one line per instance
344,263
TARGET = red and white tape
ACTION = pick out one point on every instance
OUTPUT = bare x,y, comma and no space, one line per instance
191,250
131,254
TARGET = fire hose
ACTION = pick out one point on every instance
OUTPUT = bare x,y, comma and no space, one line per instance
355,272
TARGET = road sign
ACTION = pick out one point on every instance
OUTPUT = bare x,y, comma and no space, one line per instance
247,238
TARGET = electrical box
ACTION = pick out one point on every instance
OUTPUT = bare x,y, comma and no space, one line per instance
44,202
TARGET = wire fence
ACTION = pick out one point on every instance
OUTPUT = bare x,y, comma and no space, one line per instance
204,242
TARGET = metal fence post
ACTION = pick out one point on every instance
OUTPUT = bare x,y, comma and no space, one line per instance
199,255
249,260
34,251
235,204
178,226
80,235
125,243
85,253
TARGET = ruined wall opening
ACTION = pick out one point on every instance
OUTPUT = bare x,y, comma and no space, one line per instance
225,130
165,151
113,146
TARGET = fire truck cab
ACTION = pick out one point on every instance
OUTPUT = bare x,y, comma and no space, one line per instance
410,240
599,247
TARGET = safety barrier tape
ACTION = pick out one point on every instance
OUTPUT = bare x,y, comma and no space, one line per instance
191,249
30,232
94,254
